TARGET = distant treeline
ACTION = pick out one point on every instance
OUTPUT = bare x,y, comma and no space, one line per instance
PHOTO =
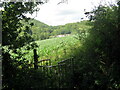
41,31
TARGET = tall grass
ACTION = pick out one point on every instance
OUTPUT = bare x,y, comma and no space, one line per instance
56,49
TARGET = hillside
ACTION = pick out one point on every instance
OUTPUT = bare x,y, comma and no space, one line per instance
41,31
38,23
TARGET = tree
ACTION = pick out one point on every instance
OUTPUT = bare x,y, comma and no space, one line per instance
13,37
99,59
11,26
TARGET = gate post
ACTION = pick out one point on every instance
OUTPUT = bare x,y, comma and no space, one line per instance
35,59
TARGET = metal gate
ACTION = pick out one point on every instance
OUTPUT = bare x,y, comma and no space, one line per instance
55,76
58,76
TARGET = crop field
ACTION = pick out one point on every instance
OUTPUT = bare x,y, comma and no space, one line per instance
56,49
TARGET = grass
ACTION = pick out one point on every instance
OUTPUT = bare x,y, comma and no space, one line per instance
56,49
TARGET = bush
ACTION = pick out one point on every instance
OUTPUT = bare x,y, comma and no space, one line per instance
98,60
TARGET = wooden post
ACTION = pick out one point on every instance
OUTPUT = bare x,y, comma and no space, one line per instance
35,59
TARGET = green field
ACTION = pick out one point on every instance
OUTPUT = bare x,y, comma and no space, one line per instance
56,49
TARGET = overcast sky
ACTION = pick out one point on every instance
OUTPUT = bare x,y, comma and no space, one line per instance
54,14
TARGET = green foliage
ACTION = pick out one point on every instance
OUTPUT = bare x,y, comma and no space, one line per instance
11,27
98,58
14,36
41,31
56,49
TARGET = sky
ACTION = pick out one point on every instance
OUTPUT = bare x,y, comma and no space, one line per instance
52,13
